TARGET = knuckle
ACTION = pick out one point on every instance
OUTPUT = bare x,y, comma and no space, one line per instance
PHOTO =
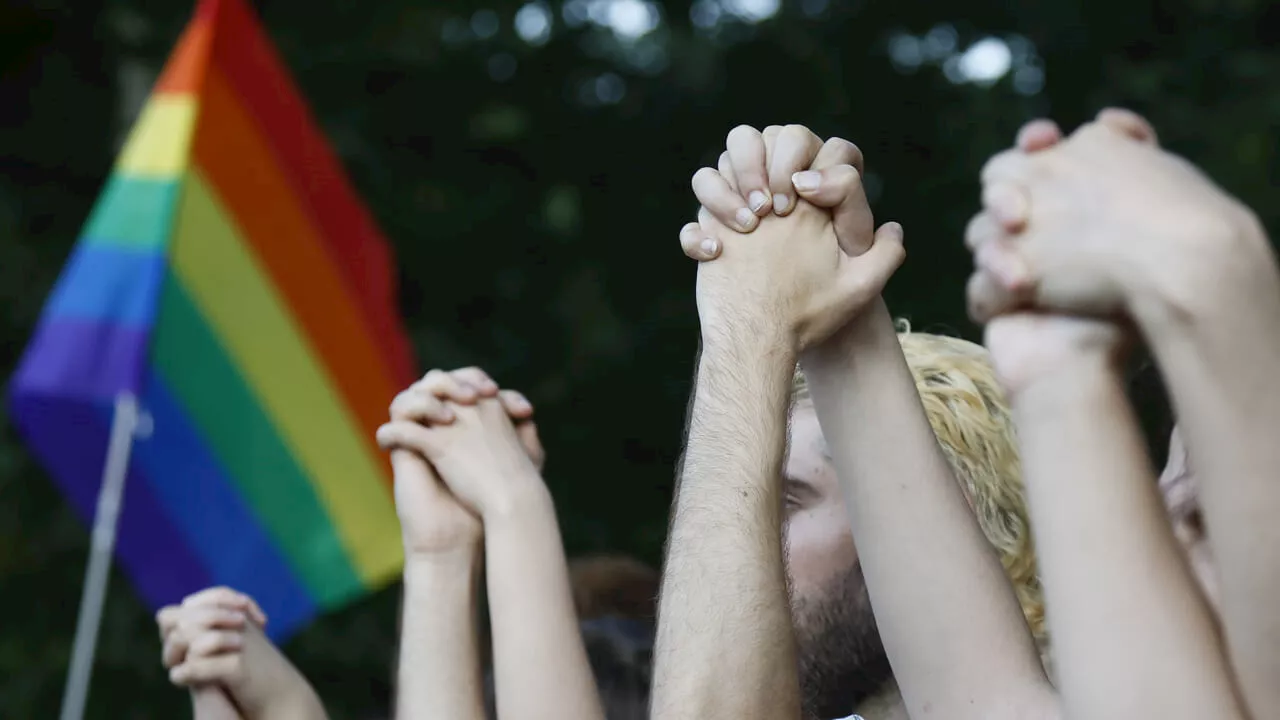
741,132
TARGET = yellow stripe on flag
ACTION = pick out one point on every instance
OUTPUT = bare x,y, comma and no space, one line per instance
159,146
265,344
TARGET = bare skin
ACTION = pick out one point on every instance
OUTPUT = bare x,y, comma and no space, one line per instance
1105,223
724,607
488,467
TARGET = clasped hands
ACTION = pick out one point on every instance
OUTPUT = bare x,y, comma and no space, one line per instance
1077,237
785,218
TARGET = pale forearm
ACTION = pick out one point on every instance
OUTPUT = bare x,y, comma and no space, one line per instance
948,617
1219,361
725,646
212,703
540,665
1131,636
439,668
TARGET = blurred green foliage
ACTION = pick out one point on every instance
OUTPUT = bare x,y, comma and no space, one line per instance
533,189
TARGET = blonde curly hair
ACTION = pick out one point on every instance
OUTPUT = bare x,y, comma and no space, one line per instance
971,420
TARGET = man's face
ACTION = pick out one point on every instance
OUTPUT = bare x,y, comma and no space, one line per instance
842,661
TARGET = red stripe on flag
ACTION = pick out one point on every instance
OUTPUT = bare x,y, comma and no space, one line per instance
244,55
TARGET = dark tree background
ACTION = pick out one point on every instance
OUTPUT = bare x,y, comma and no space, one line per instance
530,163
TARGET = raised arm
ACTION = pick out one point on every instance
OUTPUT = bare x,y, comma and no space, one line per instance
951,625
726,648
1106,222
438,673
1132,636
491,465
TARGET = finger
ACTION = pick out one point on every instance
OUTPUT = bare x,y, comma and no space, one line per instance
217,596
795,150
1009,166
420,406
838,151
478,379
840,188
532,444
981,228
1000,258
1130,123
198,619
987,298
1038,135
411,466
167,619
214,643
201,671
770,135
865,276
725,168
174,650
746,149
1008,204
446,387
714,193
516,404
697,245
404,435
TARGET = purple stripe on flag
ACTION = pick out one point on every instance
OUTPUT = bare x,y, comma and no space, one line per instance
81,360
70,439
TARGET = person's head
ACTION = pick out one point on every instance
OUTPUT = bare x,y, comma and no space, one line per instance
842,660
614,585
1182,500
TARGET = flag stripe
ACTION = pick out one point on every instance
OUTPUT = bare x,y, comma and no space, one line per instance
212,394
81,359
247,316
244,55
184,70
194,491
132,212
158,144
146,538
106,284
234,157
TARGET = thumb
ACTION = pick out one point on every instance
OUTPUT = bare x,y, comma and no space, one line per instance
839,188
865,276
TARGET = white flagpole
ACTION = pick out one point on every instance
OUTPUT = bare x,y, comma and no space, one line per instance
127,422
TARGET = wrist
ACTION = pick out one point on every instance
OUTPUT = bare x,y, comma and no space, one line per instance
524,497
1224,266
1064,382
459,562
742,335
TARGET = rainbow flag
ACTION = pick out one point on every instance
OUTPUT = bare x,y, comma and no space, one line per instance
229,277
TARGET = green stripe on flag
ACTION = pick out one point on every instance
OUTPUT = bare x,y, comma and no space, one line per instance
220,404
133,212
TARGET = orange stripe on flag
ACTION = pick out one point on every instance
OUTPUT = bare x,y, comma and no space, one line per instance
234,158
186,66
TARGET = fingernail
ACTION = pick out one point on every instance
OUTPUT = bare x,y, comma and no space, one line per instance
746,219
709,246
757,200
807,181
781,203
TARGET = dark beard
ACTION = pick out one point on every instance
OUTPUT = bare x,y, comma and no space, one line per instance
842,661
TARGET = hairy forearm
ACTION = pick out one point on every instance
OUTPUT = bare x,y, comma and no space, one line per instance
1219,360
540,665
1132,636
950,622
725,645
439,669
